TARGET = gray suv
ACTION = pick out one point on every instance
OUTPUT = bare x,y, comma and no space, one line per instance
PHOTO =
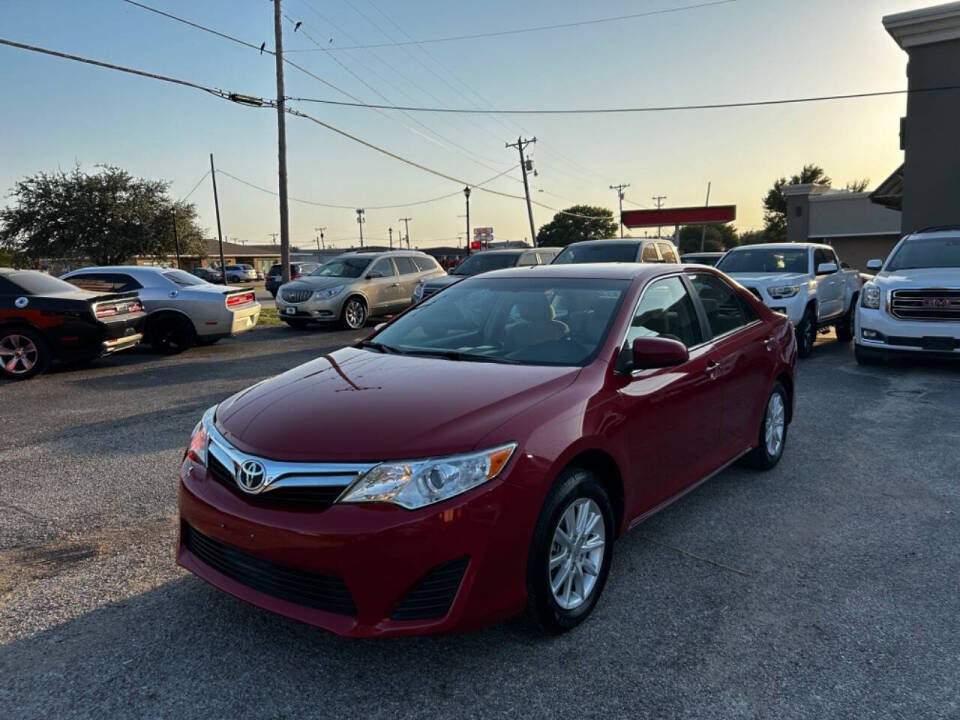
354,287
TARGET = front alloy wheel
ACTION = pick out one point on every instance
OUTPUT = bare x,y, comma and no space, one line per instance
576,553
354,314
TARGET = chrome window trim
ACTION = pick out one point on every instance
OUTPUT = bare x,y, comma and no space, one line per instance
280,474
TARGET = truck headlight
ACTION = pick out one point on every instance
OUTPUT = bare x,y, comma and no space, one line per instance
416,483
784,291
870,296
328,293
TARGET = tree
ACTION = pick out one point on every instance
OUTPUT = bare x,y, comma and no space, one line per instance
107,217
858,185
14,259
719,237
754,237
775,203
564,229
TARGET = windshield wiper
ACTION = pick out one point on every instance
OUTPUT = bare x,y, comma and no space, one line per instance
457,355
386,349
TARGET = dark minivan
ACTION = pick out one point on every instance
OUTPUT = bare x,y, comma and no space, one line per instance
275,277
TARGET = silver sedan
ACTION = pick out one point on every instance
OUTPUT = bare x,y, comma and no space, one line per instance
182,310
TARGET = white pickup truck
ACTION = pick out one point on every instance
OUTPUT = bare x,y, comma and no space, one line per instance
804,281
912,306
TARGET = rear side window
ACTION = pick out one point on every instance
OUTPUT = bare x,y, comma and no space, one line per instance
668,253
405,265
650,253
545,258
666,310
426,264
527,259
726,310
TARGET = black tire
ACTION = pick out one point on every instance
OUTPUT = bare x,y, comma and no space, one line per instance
24,351
296,324
847,327
761,457
573,486
806,333
868,356
171,334
353,316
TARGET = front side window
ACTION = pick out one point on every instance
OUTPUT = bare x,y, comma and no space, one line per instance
543,321
666,310
820,257
350,267
527,259
616,251
935,252
726,310
382,268
650,253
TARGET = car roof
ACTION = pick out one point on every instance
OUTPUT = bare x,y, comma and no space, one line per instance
123,268
381,253
780,246
702,254
594,271
936,232
626,241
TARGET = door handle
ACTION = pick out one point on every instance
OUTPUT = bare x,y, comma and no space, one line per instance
713,370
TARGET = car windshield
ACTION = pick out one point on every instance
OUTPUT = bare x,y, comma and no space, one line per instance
938,252
597,253
38,283
766,260
183,279
517,321
343,267
485,262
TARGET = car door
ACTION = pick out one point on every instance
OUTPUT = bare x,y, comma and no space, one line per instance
740,361
829,286
408,274
672,414
382,286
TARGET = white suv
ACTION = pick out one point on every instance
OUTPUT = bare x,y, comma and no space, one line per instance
913,304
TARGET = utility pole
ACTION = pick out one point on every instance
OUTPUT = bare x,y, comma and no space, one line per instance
406,223
216,206
281,144
703,232
620,188
274,236
466,194
322,243
176,237
658,199
521,145
390,230
360,222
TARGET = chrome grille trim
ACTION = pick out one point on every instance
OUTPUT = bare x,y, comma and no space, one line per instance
282,474
929,304
296,296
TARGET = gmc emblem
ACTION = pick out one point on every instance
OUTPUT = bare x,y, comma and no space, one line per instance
939,302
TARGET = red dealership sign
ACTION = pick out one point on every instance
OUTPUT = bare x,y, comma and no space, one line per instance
679,216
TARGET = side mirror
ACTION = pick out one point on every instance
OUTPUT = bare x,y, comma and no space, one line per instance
374,275
826,268
875,264
657,352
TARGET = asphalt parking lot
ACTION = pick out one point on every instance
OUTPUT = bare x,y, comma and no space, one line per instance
827,588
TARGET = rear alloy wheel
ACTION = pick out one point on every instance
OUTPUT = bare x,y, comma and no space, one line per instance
570,552
773,431
806,334
23,354
172,334
845,328
354,314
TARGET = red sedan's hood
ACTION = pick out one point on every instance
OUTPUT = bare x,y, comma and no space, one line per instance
359,405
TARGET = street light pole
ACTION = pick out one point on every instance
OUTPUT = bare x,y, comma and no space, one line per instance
390,230
466,194
322,244
176,238
281,145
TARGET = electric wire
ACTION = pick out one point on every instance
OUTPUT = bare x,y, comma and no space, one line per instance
187,196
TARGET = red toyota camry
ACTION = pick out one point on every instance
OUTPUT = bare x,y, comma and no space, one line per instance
480,454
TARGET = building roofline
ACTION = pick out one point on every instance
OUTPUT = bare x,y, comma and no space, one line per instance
925,26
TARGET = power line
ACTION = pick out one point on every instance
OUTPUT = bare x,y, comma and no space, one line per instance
539,28
646,109
185,197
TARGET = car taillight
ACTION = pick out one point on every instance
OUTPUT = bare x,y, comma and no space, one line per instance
104,312
197,451
294,277
234,300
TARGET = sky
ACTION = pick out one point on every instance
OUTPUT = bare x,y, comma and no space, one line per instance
58,114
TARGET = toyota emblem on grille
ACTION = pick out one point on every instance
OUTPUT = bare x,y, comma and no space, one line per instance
251,477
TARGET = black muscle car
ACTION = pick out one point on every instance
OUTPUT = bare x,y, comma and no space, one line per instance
44,319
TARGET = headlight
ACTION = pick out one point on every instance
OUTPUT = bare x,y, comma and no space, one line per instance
418,292
870,296
328,293
417,483
199,439
784,291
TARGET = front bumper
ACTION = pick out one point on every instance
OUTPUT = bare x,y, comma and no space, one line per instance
379,551
879,330
313,310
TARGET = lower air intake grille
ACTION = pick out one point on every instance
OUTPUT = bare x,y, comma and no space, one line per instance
433,595
323,592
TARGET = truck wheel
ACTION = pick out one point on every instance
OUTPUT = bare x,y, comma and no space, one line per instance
806,334
845,328
773,432
23,354
570,552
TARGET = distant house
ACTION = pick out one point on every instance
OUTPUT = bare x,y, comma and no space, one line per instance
259,256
